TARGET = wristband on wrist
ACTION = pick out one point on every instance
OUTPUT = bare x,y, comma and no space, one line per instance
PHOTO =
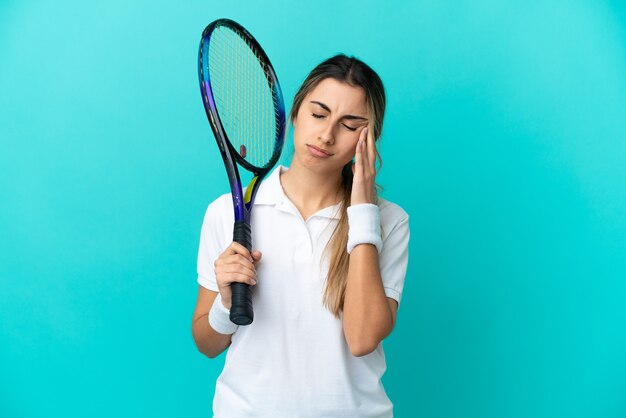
364,226
219,317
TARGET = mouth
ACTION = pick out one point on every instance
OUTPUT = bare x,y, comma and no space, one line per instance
318,152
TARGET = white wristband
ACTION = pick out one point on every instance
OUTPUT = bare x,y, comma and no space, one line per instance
364,226
219,318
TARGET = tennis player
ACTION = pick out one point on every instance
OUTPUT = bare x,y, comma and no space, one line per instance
327,271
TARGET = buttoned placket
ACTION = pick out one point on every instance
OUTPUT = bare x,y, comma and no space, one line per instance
303,247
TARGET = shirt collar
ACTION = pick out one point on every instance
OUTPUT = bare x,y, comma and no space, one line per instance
271,193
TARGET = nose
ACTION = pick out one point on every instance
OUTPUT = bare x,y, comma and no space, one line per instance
327,136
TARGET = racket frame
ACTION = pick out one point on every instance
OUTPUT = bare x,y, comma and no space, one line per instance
242,203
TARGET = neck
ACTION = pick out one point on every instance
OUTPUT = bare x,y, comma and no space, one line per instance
310,191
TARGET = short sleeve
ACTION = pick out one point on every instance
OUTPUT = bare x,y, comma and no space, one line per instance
394,257
215,236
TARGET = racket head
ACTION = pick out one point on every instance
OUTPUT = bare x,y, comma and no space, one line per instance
242,96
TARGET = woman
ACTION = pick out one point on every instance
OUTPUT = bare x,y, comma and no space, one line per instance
329,270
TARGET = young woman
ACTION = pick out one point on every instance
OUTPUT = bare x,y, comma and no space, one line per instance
329,270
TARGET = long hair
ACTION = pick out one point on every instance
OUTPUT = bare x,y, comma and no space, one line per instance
356,73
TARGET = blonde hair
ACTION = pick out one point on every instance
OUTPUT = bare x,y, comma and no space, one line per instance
356,73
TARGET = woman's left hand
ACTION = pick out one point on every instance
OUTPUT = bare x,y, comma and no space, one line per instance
364,169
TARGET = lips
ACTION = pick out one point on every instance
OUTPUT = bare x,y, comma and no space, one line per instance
318,152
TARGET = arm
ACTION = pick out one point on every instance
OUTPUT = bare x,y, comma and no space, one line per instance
235,264
368,314
208,342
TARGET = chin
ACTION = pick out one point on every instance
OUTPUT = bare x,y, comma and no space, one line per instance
321,166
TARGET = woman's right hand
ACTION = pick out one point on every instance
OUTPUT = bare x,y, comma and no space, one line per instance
235,264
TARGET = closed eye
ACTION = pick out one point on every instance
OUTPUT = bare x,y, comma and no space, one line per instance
318,116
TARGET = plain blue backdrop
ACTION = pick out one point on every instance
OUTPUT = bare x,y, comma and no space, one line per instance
504,141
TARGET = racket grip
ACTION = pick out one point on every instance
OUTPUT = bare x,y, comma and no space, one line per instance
241,312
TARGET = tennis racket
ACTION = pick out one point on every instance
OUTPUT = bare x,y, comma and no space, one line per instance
244,105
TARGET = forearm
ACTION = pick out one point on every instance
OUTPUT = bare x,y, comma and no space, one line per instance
367,316
208,341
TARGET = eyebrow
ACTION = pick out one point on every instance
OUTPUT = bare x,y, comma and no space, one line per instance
326,108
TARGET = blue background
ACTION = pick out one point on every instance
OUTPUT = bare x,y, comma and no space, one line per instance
504,140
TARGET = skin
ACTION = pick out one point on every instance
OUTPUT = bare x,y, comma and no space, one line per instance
330,129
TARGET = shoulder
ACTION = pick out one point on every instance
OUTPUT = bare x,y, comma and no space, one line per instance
224,200
391,214
220,208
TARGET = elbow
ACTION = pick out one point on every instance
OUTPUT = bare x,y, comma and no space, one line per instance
207,351
203,346
209,354
199,346
362,347
364,340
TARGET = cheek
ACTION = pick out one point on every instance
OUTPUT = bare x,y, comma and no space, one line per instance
300,129
297,133
300,135
352,141
350,149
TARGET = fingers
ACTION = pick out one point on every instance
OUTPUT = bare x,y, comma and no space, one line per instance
235,268
357,152
365,160
363,134
360,157
256,256
236,248
371,147
366,152
364,180
236,264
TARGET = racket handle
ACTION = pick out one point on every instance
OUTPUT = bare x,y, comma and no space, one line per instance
241,312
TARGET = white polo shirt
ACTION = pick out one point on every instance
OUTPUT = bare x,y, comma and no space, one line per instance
293,360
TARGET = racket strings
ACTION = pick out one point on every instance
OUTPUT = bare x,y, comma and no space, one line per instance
245,100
